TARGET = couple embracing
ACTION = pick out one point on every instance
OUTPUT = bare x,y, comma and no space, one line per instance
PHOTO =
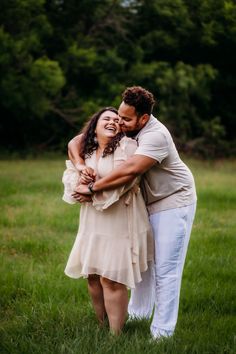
138,202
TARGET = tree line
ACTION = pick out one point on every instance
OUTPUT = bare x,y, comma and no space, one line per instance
62,60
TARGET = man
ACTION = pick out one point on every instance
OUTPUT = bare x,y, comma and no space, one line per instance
169,192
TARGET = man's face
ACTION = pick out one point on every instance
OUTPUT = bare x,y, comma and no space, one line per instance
129,122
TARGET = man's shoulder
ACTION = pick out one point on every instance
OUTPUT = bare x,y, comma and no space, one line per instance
154,132
154,126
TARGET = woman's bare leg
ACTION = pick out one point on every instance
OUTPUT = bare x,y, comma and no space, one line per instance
116,303
96,292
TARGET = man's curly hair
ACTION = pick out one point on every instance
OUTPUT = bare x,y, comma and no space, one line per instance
88,142
140,98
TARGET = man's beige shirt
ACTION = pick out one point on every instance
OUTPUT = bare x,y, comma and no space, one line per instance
169,183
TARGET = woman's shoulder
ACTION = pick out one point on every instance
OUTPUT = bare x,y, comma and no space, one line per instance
128,142
127,147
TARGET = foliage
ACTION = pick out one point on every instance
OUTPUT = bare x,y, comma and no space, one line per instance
62,60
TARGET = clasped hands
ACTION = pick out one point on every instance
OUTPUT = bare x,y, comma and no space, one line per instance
82,193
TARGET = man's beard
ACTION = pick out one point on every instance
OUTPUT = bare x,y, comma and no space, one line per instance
132,133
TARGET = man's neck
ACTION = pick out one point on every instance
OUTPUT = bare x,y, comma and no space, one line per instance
133,133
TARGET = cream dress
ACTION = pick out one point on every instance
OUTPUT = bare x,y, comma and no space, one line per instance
114,238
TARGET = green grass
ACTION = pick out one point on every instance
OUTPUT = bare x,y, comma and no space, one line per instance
43,311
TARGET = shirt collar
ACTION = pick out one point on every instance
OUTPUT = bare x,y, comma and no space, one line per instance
151,120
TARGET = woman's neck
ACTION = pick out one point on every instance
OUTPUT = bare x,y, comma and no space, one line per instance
100,148
102,144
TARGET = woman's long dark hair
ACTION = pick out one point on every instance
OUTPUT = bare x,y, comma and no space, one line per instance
88,142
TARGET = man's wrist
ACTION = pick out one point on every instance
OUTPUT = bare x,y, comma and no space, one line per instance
90,187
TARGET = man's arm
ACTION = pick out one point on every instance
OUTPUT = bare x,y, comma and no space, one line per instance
124,173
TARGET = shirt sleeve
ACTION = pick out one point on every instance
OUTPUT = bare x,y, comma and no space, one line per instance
154,145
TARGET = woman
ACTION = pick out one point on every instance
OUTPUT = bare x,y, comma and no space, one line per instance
114,242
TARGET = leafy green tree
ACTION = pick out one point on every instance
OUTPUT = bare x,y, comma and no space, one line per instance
183,92
29,79
62,60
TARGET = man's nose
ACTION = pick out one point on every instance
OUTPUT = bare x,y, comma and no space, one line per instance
120,122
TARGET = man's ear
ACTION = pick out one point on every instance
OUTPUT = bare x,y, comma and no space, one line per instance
144,118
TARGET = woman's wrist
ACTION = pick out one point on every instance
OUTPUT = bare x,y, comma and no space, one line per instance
80,167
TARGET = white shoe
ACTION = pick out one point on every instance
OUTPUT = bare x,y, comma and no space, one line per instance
159,336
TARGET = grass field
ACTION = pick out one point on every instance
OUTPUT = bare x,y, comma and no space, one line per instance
43,311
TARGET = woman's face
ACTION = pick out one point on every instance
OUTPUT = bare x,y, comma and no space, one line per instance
107,125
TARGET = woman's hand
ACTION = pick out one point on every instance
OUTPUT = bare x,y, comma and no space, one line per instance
81,198
84,198
82,189
87,175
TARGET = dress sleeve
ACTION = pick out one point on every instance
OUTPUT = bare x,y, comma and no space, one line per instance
105,199
70,180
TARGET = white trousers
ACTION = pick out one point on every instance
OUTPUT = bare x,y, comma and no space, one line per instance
160,285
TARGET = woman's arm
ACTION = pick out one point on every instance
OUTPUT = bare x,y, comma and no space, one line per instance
87,174
73,150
